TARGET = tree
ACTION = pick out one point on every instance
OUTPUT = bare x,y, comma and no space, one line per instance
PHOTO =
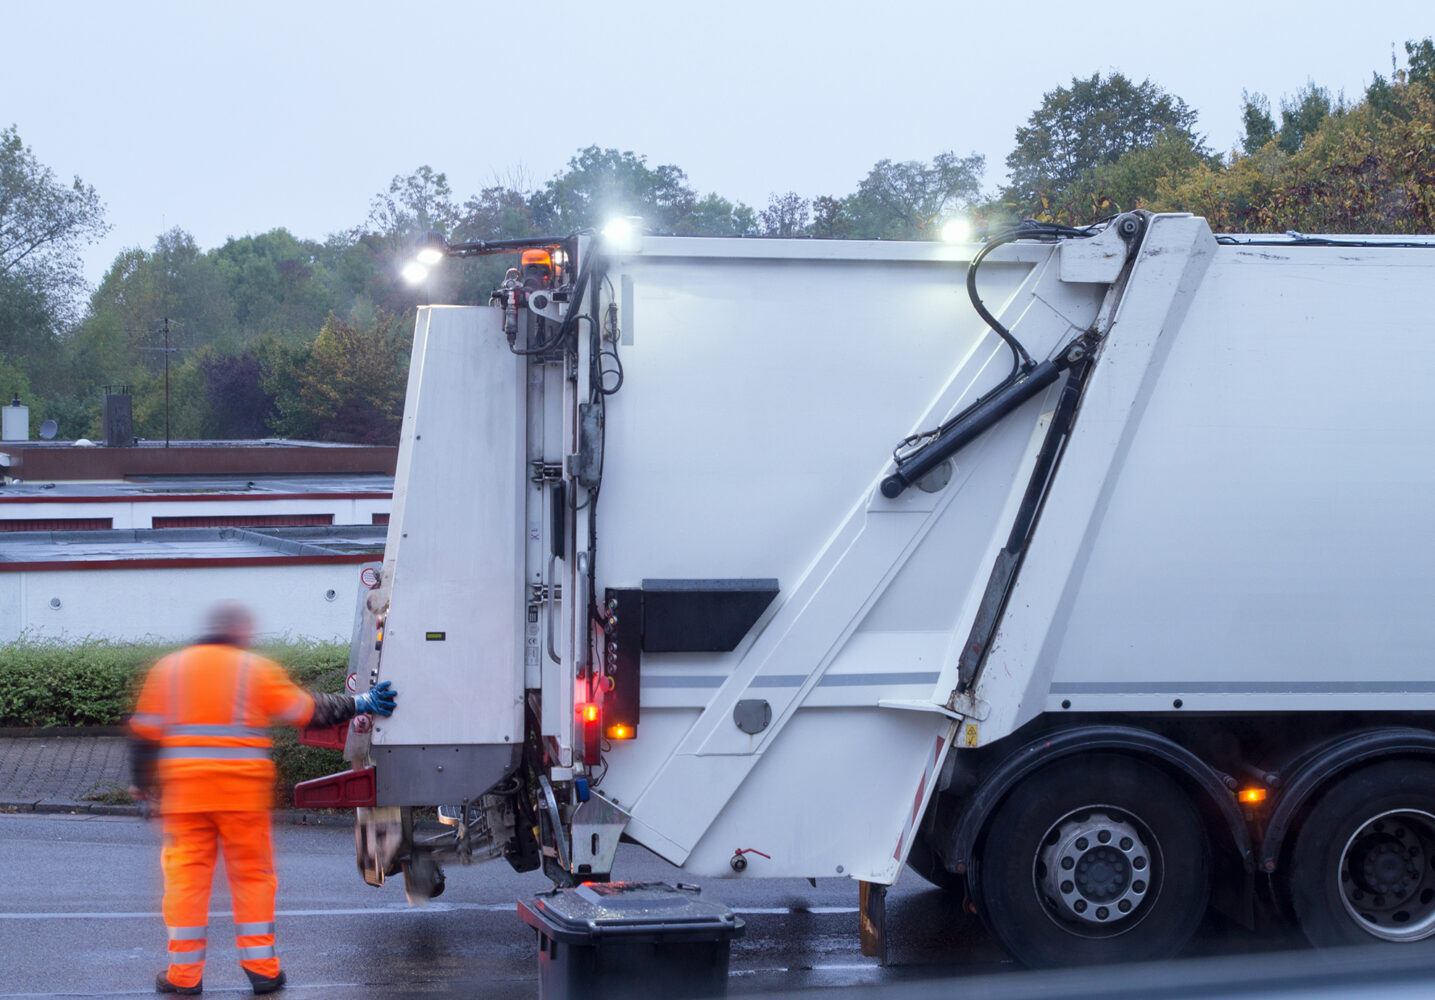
1302,114
1093,122
416,204
602,183
785,215
44,223
830,220
1259,127
911,200
348,385
1420,57
1365,170
716,216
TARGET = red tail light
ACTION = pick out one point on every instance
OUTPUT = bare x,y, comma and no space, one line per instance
592,730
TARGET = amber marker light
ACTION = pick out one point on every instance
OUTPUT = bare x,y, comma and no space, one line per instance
619,732
1252,796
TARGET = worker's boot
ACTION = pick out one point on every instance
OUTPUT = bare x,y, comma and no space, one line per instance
163,985
266,984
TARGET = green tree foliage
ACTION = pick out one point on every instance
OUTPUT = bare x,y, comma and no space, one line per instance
602,183
1258,127
785,215
348,385
1366,170
44,224
1302,114
909,200
1091,123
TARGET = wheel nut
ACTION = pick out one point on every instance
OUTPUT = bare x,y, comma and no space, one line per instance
1080,906
1138,886
1104,836
1126,843
1102,913
1067,864
1138,863
1124,906
1082,843
1067,887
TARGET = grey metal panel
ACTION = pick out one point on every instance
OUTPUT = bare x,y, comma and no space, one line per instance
1243,687
439,775
691,681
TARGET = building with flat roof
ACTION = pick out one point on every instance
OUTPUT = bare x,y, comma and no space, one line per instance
134,543
155,584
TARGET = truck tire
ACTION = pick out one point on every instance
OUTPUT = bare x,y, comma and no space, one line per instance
1363,865
1092,860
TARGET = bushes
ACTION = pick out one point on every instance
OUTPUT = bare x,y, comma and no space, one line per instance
93,683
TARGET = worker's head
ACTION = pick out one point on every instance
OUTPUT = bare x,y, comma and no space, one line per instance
230,622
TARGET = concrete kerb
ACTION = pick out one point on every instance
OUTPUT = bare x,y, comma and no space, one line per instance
290,817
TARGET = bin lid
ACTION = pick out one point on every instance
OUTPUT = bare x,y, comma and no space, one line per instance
649,909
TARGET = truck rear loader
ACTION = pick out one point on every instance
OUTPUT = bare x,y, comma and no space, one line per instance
1087,572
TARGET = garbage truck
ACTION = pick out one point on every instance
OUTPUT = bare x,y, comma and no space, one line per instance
1087,572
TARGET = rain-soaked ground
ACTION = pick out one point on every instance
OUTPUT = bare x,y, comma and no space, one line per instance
79,917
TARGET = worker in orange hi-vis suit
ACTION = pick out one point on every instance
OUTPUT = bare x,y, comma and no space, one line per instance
201,747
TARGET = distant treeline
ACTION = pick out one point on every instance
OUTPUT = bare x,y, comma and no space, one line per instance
277,335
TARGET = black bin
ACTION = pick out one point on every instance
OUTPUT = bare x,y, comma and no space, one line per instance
620,940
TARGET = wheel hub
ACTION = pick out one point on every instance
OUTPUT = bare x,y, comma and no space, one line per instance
1094,867
1387,875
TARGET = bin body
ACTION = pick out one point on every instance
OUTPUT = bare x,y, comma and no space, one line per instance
606,941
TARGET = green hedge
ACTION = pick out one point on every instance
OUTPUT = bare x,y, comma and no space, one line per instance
94,683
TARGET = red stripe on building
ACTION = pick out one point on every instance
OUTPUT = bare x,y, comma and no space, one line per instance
244,521
56,523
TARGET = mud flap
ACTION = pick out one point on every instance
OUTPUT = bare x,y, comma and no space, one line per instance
378,839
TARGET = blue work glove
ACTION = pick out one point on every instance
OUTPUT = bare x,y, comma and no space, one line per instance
378,700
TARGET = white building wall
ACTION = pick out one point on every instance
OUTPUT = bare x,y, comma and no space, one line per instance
168,605
130,514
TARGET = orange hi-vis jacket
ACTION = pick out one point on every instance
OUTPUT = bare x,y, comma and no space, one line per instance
207,708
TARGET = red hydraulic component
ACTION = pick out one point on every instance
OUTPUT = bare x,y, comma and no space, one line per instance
344,790
328,737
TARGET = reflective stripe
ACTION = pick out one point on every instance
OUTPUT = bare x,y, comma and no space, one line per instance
240,930
240,732
213,753
241,686
186,957
147,719
187,933
264,951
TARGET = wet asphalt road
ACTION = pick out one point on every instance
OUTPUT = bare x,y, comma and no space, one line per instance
79,917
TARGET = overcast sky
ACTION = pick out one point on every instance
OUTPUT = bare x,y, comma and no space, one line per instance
236,118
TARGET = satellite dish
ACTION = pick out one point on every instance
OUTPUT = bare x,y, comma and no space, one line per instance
48,430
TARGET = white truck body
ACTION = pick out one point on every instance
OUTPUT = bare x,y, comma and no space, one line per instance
1237,525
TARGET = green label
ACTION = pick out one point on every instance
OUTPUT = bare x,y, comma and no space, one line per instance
435,636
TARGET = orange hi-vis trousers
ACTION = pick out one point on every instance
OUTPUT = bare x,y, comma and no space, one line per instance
191,843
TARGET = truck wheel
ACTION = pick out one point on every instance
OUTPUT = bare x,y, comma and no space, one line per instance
1363,865
1094,860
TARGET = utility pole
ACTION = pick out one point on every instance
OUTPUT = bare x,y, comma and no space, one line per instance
167,351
